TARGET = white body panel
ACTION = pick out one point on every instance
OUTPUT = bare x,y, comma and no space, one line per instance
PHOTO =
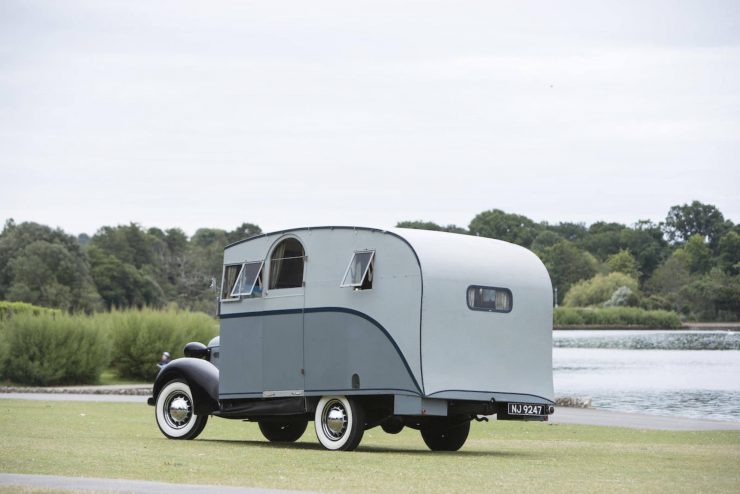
472,350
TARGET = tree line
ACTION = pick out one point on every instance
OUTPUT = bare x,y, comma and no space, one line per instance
119,267
688,263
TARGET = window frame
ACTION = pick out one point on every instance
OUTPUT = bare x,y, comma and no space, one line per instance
267,285
358,286
223,280
482,309
235,296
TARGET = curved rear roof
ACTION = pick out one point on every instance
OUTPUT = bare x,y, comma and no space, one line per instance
454,256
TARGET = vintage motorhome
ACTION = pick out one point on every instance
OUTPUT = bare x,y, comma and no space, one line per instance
358,327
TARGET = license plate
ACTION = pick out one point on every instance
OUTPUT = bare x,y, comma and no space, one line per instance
527,409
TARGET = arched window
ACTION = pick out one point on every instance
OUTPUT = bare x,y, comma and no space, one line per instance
286,265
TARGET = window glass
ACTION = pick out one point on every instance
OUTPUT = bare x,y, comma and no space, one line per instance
490,299
249,282
359,273
231,272
286,265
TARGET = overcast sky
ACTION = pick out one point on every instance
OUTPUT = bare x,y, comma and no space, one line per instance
190,114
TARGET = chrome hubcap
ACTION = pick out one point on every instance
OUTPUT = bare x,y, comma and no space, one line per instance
179,410
334,420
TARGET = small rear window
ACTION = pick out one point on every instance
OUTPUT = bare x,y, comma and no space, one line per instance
489,298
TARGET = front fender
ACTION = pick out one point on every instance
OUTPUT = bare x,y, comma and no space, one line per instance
200,375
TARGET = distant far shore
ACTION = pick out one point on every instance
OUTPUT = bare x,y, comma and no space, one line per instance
708,326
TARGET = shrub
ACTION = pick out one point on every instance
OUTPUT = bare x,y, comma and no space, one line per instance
50,349
9,309
566,316
616,317
140,336
598,289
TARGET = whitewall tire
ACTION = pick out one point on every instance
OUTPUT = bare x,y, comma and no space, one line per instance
339,423
175,412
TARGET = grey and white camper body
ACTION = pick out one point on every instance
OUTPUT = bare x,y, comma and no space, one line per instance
354,328
412,334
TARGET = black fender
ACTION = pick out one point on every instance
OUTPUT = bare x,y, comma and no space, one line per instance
200,375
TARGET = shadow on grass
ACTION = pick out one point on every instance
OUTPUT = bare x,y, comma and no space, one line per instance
374,449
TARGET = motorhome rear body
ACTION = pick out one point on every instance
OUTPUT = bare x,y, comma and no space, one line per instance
356,327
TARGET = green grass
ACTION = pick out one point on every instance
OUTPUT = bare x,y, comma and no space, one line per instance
121,440
111,376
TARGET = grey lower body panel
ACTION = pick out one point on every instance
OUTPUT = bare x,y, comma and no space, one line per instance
317,351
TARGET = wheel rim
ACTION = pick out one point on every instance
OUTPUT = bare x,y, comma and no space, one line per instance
334,420
178,410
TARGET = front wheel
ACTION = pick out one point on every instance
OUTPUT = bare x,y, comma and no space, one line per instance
445,435
339,423
175,412
284,431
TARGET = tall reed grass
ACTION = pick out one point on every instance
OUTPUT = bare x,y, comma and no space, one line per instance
140,336
53,348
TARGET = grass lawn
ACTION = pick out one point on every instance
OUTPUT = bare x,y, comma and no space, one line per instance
121,440
110,376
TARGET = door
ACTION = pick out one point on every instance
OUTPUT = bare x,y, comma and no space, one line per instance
282,327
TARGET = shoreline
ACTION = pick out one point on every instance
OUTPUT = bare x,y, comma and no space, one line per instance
688,326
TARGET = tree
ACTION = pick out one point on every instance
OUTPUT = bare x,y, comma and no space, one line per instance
122,285
429,225
698,254
602,239
668,280
567,264
245,230
130,266
45,267
645,241
623,262
512,228
713,296
696,218
545,239
729,253
569,231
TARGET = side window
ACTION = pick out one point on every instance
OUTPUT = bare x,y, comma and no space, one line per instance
359,273
286,265
249,281
490,299
231,273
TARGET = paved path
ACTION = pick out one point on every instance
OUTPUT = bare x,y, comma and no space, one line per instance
595,416
73,397
55,482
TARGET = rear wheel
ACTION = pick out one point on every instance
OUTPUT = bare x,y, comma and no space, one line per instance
446,435
175,412
283,431
339,423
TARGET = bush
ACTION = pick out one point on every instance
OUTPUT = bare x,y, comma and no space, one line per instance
616,317
9,309
566,316
50,349
140,336
598,289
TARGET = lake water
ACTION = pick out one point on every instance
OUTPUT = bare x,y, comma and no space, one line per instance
685,373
